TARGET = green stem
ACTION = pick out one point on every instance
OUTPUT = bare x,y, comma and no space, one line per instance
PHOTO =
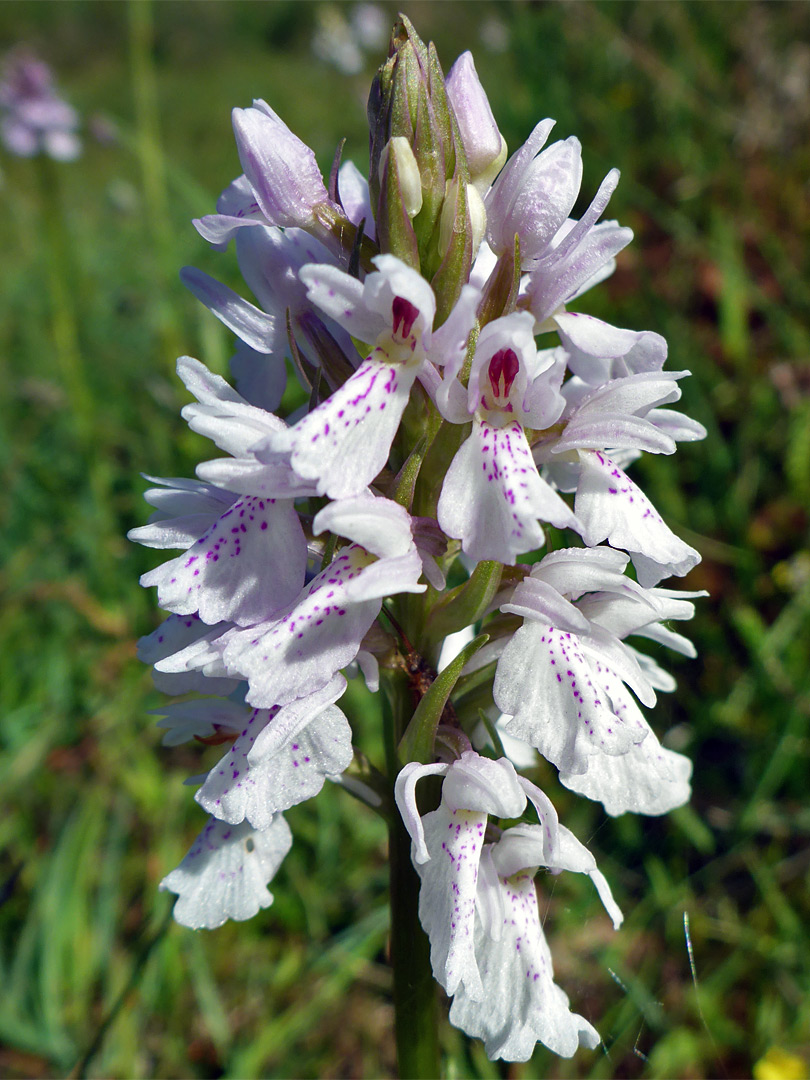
61,273
416,1016
153,170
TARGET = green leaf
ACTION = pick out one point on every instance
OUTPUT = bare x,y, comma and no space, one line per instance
440,453
403,484
492,731
417,742
465,604
501,292
454,270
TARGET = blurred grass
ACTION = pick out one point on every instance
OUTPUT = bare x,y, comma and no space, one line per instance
706,108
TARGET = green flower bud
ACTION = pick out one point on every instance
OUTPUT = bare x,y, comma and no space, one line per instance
410,182
409,102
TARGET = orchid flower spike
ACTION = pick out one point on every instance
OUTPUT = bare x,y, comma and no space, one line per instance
422,483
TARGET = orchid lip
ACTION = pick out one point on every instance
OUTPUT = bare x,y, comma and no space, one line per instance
503,367
404,316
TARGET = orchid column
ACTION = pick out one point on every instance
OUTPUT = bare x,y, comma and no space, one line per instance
405,509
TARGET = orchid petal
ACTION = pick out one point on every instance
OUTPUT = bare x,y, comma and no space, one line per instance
449,878
249,785
611,507
381,526
551,690
223,576
493,496
345,441
226,871
520,1004
341,297
256,328
405,795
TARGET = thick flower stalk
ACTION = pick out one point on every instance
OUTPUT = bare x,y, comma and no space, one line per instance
433,442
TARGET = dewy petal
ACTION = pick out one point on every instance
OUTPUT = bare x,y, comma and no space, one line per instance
549,827
648,779
550,188
574,236
236,207
677,426
633,395
344,443
489,899
172,636
630,609
611,507
507,188
368,312
270,260
222,414
384,577
179,496
525,847
544,403
448,344
289,720
186,509
259,378
535,598
203,654
575,571
557,277
354,197
238,199
493,496
575,856
219,229
369,668
226,871
223,576
265,474
654,673
483,143
600,351
520,1004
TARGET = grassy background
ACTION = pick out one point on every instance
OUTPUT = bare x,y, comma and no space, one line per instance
705,107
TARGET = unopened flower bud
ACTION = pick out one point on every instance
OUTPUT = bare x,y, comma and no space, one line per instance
280,168
484,145
448,222
410,182
409,100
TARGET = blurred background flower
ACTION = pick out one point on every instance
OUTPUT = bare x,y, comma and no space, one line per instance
35,120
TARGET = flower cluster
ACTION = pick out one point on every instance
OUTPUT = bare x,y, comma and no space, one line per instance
34,118
434,445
